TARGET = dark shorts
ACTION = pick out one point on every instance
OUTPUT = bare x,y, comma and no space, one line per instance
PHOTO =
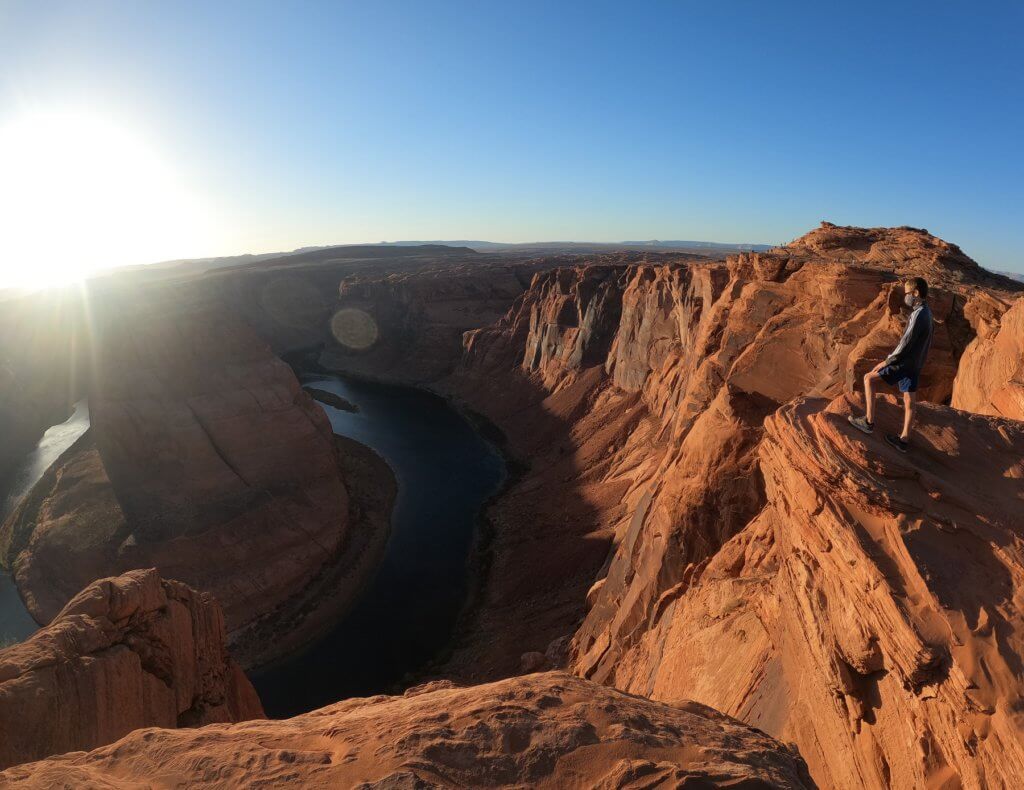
897,376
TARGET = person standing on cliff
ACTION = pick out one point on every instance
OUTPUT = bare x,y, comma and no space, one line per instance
903,366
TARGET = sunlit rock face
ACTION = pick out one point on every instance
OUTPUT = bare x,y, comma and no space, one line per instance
127,652
546,730
694,519
867,612
991,375
205,459
661,445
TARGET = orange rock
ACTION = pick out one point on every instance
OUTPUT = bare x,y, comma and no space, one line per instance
548,730
128,652
868,612
205,459
991,375
701,356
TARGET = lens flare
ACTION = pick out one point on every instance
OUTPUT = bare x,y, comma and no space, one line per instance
354,328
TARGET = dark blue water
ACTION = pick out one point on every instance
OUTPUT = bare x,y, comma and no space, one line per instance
15,622
407,614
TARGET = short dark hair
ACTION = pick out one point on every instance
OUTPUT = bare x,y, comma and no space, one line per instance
919,285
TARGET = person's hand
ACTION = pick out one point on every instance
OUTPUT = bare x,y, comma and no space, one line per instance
878,367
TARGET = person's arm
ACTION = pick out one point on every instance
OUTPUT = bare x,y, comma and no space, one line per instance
914,326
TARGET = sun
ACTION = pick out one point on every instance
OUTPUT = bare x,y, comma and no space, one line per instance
80,192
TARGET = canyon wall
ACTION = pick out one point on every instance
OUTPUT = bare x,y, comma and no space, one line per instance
658,439
128,652
870,611
205,459
991,375
408,326
689,515
548,730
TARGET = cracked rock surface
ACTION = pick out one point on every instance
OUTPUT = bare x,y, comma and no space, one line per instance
547,730
127,652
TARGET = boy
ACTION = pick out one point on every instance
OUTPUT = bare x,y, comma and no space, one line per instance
903,366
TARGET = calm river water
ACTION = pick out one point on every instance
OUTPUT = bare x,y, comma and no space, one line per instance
15,621
407,614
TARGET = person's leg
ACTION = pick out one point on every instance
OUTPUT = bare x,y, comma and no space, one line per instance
870,379
908,415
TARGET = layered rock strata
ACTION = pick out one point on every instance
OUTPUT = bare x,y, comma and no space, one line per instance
869,611
205,459
658,439
127,652
990,379
549,730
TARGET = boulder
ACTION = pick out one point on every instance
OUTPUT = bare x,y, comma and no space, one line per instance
126,652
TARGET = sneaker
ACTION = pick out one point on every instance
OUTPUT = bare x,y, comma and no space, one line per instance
897,442
861,424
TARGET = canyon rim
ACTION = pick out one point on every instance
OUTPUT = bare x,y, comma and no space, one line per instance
426,394
688,518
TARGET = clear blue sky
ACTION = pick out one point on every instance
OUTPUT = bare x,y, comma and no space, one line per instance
314,123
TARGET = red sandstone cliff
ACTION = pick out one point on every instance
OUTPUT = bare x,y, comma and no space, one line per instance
128,652
656,445
696,520
550,730
205,459
416,320
869,611
991,375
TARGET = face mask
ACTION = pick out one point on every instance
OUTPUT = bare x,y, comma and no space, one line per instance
910,300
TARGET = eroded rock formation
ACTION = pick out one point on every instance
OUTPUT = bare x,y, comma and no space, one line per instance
869,611
127,652
205,459
991,375
658,444
548,730
693,517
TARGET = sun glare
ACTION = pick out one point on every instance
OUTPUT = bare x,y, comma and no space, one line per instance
80,193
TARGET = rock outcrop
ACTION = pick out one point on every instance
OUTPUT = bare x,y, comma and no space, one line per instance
205,459
991,375
870,612
128,652
652,444
693,518
548,730
637,392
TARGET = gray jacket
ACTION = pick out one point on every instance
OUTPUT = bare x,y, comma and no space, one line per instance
917,339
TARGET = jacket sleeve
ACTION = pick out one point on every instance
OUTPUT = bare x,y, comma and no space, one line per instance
911,336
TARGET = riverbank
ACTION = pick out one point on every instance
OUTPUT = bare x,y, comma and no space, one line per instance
446,471
17,486
306,617
449,662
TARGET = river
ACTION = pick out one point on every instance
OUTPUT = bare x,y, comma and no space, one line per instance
15,621
407,615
